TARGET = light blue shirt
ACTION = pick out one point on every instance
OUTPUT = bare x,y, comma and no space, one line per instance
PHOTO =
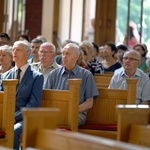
118,81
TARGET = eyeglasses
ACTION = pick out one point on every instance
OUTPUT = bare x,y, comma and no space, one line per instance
45,52
130,58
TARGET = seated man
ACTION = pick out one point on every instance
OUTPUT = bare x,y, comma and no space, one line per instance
47,63
58,79
29,88
131,60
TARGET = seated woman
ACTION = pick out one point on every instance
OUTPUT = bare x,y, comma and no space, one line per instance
5,58
142,49
94,65
120,51
110,63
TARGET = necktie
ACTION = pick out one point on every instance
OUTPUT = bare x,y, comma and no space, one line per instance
18,74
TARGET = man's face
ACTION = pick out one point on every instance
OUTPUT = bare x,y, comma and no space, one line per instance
20,55
130,61
46,54
35,49
69,57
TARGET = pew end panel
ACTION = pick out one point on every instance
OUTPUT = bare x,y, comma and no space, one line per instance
131,115
102,117
140,135
67,101
35,119
7,110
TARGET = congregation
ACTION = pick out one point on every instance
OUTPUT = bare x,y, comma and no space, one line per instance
42,66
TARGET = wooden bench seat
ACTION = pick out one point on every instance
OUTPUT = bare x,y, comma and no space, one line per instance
102,117
38,135
134,124
7,111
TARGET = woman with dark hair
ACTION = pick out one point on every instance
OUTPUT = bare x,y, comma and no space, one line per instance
142,49
23,37
120,51
110,63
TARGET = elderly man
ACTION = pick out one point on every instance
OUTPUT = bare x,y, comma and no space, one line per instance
131,60
58,79
29,88
47,62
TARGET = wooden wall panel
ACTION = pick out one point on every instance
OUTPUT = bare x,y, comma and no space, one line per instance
105,21
1,15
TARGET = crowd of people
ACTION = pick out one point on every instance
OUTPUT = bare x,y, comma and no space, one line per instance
37,66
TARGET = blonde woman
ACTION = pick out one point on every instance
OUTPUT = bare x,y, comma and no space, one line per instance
94,65
5,58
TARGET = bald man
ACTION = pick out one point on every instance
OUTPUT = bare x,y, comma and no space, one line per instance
47,63
58,79
131,61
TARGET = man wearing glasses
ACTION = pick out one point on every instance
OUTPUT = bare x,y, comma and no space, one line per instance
47,63
131,61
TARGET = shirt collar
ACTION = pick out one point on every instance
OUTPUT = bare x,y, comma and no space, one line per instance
53,65
23,68
137,73
74,70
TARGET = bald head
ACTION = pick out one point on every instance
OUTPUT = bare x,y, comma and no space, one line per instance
48,46
133,53
70,55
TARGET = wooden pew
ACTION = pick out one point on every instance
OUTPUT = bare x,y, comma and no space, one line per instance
35,119
103,80
133,123
67,101
38,135
7,111
102,118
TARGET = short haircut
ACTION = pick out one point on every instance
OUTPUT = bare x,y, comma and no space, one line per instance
5,35
112,46
36,40
96,46
74,46
6,48
26,45
133,51
122,47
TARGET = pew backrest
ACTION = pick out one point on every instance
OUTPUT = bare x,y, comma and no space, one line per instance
67,101
103,80
104,107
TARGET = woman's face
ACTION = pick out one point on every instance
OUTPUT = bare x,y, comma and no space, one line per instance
5,58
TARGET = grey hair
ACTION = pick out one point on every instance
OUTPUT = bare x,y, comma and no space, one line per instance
135,52
74,46
7,49
51,45
27,45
